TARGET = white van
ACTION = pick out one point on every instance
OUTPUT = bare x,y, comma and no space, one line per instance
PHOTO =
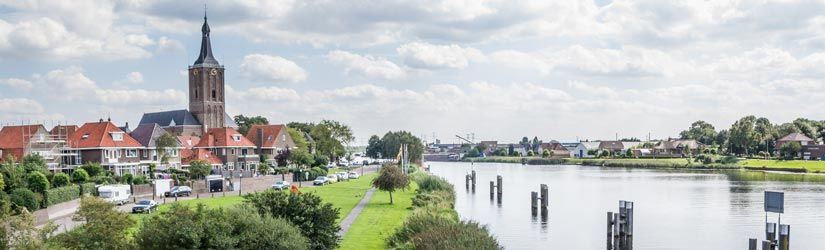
117,194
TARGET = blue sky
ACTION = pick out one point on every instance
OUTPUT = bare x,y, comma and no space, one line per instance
499,69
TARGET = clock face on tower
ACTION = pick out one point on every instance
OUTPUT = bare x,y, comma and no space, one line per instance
213,72
195,72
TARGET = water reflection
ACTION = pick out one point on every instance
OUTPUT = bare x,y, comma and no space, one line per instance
722,208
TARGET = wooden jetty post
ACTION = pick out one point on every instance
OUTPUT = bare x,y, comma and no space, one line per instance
545,199
766,245
492,189
620,227
534,203
609,230
495,188
770,231
499,187
784,237
752,244
474,179
467,181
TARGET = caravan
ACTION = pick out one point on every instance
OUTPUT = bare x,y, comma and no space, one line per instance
117,194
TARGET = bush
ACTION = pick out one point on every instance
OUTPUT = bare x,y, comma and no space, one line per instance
730,159
127,178
418,221
103,180
38,182
306,211
461,235
88,188
80,176
704,159
92,168
139,180
316,171
182,227
5,205
61,179
433,183
23,197
62,194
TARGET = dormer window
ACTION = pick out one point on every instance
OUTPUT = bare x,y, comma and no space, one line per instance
236,137
85,136
117,136
269,138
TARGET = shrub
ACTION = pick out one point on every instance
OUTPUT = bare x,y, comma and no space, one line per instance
730,159
62,194
80,176
433,183
92,168
306,211
127,178
418,221
105,227
461,235
139,180
441,199
23,197
61,179
88,188
5,204
38,182
103,180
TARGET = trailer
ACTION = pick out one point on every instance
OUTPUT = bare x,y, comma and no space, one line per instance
117,194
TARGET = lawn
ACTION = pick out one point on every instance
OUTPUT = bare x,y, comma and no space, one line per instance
379,219
342,195
811,166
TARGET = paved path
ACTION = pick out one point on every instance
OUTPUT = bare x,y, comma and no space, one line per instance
353,214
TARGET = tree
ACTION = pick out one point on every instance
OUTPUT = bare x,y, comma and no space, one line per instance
340,132
306,211
391,144
742,135
23,197
244,122
80,176
264,168
790,150
390,178
165,142
374,147
545,153
700,131
199,169
300,157
61,179
21,232
105,227
530,153
34,162
92,168
182,227
38,182
473,153
298,138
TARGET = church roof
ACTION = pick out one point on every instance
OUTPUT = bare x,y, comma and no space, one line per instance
170,118
148,134
205,57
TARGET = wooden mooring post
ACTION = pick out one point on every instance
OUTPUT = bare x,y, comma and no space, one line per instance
496,188
620,227
752,244
499,187
784,237
542,195
467,181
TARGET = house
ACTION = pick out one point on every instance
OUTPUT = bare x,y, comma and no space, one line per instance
813,152
676,148
614,147
105,143
489,147
201,154
232,148
795,137
557,150
577,149
147,135
270,140
15,140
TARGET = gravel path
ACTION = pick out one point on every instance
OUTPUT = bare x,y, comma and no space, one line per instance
353,214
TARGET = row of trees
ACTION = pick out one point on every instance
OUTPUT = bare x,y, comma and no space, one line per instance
324,141
752,135
389,145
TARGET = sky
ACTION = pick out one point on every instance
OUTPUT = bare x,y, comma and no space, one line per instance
499,70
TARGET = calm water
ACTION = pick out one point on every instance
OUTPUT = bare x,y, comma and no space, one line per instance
673,209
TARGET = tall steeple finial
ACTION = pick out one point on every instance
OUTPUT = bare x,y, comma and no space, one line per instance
205,57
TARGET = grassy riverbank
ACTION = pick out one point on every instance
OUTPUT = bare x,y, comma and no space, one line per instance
379,219
798,166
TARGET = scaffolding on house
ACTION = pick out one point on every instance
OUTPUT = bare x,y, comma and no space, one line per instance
53,146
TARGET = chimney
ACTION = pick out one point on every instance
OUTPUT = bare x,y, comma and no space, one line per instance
127,125
260,140
101,119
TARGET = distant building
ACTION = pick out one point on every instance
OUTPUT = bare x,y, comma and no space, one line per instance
676,148
795,137
147,135
577,149
489,147
614,147
232,148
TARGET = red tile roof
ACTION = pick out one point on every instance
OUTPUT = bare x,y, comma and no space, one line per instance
795,137
99,135
222,137
189,155
13,139
271,135
64,130
188,141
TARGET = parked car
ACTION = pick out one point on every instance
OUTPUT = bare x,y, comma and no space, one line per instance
281,185
145,206
179,191
332,178
342,175
353,175
320,181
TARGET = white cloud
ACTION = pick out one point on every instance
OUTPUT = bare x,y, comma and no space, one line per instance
430,56
16,83
168,45
20,106
270,68
370,66
72,85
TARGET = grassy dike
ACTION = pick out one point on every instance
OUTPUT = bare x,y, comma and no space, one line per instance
379,219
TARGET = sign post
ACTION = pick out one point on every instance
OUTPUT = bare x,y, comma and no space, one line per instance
774,203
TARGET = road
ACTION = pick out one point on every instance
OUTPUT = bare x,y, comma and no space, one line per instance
249,185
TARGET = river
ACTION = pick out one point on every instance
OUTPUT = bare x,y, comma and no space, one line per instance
673,209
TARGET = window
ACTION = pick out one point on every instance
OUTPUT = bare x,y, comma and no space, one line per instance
243,152
232,151
117,136
172,152
85,136
131,153
196,93
213,94
145,153
236,137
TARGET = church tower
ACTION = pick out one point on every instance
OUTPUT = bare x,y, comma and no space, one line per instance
206,85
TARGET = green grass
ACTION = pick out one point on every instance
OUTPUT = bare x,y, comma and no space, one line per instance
810,166
342,195
379,219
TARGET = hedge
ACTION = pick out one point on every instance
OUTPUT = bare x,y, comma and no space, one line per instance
23,197
62,194
88,188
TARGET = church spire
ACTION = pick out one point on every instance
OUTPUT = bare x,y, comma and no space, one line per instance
205,58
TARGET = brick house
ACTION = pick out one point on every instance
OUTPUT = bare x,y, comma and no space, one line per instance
15,140
614,147
147,135
232,148
676,148
105,143
270,140
794,137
